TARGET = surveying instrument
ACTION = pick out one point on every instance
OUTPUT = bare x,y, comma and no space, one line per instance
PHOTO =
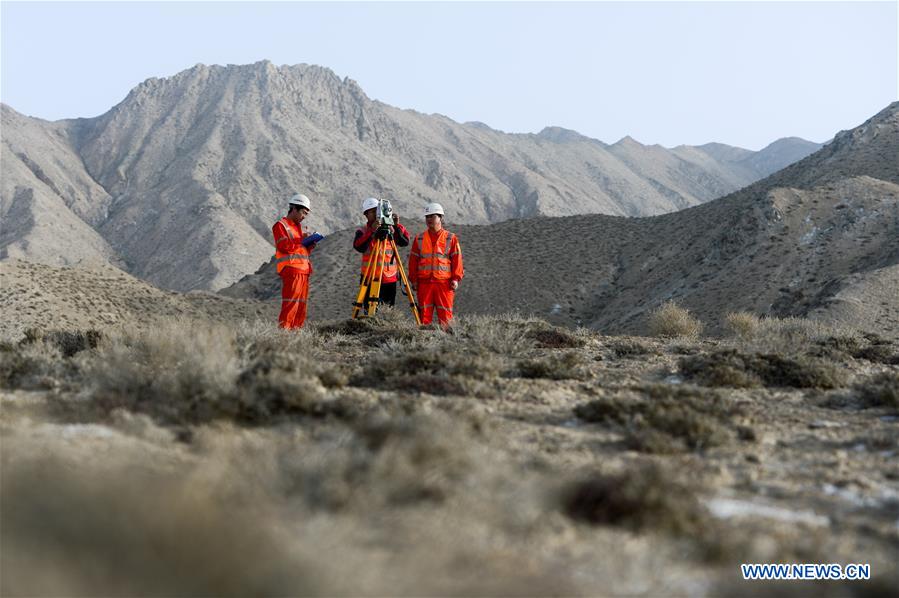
371,281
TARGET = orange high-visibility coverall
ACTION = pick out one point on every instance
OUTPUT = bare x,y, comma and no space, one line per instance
434,261
294,268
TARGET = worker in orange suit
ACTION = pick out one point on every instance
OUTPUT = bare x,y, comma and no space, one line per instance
435,268
363,244
293,263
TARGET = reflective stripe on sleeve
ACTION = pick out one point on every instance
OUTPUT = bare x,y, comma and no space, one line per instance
287,228
438,267
292,256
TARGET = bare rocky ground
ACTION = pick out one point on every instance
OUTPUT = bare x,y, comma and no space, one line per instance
101,296
208,453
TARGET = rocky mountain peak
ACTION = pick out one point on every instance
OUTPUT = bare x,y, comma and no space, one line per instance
476,124
562,135
887,120
628,141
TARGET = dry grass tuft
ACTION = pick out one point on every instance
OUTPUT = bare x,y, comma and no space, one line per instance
32,366
68,342
261,338
274,386
878,353
44,360
128,532
414,458
743,324
507,334
881,390
182,371
668,419
567,365
556,338
442,366
641,498
632,347
188,372
797,335
389,323
733,369
673,321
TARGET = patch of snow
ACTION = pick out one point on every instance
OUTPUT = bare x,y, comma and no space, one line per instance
72,431
856,499
727,508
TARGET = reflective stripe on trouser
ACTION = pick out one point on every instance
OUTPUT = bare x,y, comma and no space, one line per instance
435,296
294,292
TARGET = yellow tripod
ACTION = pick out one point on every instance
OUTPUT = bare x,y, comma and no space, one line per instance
371,280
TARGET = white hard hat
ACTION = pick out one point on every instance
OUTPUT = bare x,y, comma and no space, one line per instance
300,200
367,204
433,208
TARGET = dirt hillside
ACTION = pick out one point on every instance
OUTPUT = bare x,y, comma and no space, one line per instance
47,297
811,240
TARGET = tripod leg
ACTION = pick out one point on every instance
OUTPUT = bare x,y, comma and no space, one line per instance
359,306
405,279
374,293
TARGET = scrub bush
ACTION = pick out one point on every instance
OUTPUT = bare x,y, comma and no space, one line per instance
739,370
640,498
743,324
881,390
631,347
673,321
568,365
667,419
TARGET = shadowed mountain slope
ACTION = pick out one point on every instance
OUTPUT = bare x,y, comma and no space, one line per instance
50,203
181,181
818,238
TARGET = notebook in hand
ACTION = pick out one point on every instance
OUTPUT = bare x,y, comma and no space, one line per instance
313,238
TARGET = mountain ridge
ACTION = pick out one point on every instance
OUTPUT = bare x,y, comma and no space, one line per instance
818,239
182,179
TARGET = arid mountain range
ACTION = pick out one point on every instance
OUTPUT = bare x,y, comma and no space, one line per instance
819,238
180,182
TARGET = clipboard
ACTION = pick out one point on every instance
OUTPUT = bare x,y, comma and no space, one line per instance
311,239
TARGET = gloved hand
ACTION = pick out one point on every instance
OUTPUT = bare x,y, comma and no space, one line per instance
396,219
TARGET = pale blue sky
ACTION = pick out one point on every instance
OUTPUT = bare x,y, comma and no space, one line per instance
669,73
